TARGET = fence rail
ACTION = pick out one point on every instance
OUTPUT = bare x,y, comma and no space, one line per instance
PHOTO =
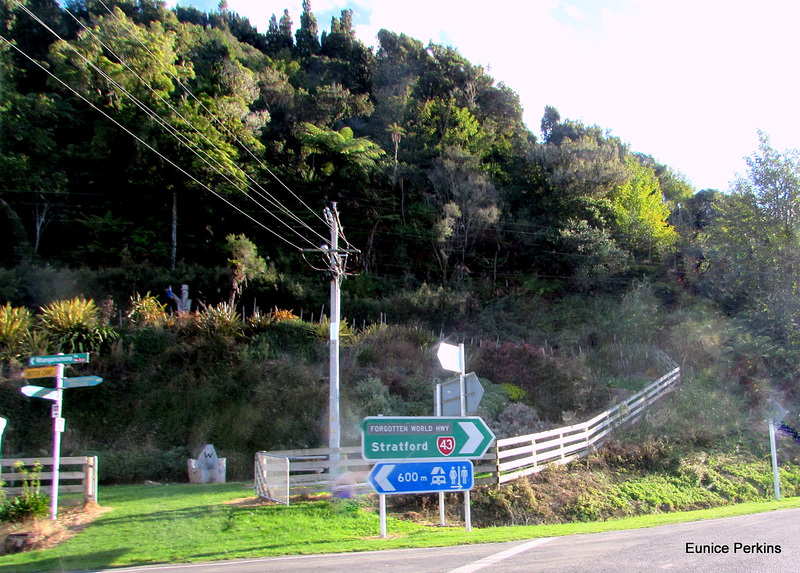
86,476
524,455
510,458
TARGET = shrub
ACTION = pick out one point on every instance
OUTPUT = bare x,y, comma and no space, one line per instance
75,325
146,311
221,321
15,324
31,503
322,330
515,393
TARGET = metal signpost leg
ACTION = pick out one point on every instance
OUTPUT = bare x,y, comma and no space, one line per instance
773,448
463,392
58,427
383,516
438,411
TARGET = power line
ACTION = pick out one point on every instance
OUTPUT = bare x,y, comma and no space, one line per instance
140,140
182,139
245,147
163,123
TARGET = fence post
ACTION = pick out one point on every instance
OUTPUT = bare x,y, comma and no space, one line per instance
496,450
88,479
95,477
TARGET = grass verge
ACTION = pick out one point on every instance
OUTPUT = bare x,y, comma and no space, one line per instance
188,523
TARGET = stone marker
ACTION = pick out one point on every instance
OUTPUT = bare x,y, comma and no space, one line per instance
207,468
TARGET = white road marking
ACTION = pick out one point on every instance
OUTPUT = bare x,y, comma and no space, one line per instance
497,557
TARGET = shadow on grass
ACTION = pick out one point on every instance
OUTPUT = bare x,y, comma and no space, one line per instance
123,493
85,562
166,515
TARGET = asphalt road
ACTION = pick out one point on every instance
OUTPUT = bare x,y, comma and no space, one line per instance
767,542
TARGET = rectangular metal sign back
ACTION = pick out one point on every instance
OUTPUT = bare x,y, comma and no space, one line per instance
400,438
40,372
74,358
422,477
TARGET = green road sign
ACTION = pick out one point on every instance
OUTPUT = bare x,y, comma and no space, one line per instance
75,358
384,438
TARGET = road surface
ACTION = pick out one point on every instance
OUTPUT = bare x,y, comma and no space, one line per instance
767,542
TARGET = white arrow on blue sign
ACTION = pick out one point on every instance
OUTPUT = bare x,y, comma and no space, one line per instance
80,381
422,477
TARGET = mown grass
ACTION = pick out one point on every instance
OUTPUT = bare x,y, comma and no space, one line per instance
190,523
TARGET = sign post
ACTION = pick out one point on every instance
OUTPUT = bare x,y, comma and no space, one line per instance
452,358
776,413
58,428
54,366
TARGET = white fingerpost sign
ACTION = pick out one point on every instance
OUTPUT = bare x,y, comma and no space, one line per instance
57,362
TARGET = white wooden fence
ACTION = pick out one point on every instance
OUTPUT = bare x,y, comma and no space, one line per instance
524,455
509,459
76,475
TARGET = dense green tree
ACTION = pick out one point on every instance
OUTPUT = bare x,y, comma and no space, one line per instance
550,120
751,245
307,36
640,215
468,203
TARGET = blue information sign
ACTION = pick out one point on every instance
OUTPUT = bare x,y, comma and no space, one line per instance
422,477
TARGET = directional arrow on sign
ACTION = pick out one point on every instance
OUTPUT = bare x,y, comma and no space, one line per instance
381,477
81,381
39,392
475,438
407,437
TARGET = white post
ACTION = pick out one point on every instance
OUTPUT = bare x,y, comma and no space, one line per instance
383,516
58,427
467,512
437,406
775,476
463,392
462,380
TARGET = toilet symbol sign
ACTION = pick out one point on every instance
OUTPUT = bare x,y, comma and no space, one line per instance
422,477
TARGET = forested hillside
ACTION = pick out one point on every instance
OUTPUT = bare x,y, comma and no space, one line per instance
134,135
143,148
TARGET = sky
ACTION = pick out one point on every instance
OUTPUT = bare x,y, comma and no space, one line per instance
690,82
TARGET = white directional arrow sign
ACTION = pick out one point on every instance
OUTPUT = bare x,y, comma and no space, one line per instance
39,392
382,478
475,438
451,357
